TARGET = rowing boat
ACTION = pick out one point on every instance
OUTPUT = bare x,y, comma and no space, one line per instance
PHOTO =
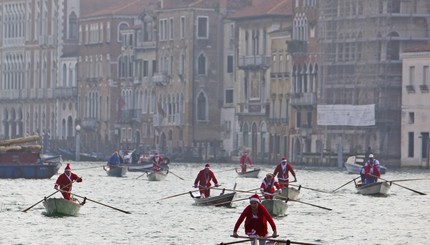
276,207
62,207
376,189
157,175
248,174
218,201
354,165
116,171
290,192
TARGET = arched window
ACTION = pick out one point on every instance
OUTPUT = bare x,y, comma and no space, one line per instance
73,26
121,27
245,135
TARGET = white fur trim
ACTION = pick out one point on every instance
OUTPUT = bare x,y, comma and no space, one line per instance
254,199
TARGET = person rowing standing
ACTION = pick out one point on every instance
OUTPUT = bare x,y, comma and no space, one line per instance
282,170
157,160
268,185
65,181
245,160
203,181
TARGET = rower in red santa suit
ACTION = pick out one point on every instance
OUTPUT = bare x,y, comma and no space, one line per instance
256,217
245,160
157,160
65,181
268,185
203,181
281,172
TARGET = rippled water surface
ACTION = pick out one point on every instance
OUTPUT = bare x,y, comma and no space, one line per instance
403,217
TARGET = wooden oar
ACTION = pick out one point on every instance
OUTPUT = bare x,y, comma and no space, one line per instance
401,180
310,188
234,190
101,203
407,188
180,194
25,210
241,241
175,175
346,183
142,175
275,240
288,199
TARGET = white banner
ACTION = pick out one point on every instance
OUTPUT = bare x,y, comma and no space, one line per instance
346,115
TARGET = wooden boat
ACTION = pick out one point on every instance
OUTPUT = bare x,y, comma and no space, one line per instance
290,192
116,171
85,157
143,167
377,188
217,201
276,207
62,207
157,175
354,164
27,165
248,174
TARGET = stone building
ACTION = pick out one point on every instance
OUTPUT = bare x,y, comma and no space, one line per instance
361,72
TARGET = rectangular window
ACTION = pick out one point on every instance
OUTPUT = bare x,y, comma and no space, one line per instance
182,27
298,119
229,96
202,27
171,28
154,67
425,75
411,144
230,64
411,118
411,75
309,119
145,68
424,138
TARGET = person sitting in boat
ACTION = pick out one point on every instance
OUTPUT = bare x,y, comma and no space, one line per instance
65,180
203,181
282,171
245,160
268,185
367,163
157,160
114,159
371,173
256,217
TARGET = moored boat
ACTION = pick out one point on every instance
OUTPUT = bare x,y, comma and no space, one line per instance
85,157
221,200
276,207
354,164
115,171
143,167
62,207
377,188
248,174
26,161
157,175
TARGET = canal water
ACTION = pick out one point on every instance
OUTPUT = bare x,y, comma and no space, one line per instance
402,217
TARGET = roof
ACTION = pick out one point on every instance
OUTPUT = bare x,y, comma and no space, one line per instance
418,48
123,7
265,8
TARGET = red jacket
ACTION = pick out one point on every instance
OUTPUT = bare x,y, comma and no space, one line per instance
204,179
374,170
255,225
64,182
269,186
245,159
283,174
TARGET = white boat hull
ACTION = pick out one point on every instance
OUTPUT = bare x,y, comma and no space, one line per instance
290,192
61,206
378,188
157,176
276,207
249,174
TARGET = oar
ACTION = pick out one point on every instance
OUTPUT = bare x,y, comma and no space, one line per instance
233,190
235,200
241,241
309,188
421,193
25,210
102,204
288,199
142,175
98,166
180,194
175,175
401,180
274,240
346,183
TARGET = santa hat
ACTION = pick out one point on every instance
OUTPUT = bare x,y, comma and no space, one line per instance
207,165
68,167
284,159
255,198
156,154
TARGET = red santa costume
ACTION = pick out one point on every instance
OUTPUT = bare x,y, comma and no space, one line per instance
256,217
282,170
157,160
203,181
65,180
370,172
268,186
244,161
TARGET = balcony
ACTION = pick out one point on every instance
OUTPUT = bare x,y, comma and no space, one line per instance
254,62
161,79
65,92
90,123
424,88
304,100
